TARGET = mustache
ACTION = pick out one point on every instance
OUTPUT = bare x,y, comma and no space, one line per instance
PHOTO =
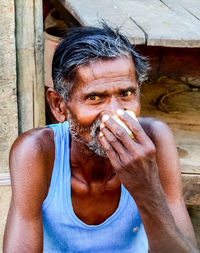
74,124
95,128
76,129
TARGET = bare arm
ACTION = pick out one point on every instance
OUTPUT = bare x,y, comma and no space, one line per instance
29,168
170,178
150,172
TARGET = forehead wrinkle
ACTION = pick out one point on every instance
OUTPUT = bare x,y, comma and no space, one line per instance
106,69
84,74
99,85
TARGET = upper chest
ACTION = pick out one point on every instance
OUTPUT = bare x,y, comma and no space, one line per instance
95,202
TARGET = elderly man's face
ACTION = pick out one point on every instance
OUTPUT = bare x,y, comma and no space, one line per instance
101,88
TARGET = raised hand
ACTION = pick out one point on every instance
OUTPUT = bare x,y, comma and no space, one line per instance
133,159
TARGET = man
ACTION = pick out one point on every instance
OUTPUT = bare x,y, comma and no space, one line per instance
84,185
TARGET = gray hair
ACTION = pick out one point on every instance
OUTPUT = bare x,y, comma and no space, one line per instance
86,45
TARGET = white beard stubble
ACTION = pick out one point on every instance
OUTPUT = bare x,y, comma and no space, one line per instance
75,130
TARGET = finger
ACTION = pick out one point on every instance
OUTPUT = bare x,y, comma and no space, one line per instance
111,153
134,126
119,132
113,141
123,154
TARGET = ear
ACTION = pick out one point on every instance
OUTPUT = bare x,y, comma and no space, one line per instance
57,105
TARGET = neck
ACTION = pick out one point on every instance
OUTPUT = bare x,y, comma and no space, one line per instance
87,166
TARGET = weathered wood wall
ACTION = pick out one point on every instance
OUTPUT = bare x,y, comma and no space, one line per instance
172,94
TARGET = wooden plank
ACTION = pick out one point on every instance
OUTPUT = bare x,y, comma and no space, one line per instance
161,25
175,102
188,169
4,179
39,88
25,62
91,13
192,6
29,44
191,189
181,112
185,9
172,26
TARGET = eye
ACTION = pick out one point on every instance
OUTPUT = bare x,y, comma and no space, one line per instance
127,93
94,97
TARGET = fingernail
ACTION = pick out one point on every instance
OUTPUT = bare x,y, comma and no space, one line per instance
105,118
102,125
100,134
132,114
120,112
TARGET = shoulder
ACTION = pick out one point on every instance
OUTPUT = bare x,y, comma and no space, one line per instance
31,160
33,142
155,129
162,137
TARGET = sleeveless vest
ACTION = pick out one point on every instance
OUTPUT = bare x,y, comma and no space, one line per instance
63,231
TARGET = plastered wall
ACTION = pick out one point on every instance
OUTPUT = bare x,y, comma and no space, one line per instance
8,102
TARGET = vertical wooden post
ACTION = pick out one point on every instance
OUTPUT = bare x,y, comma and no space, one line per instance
30,75
39,91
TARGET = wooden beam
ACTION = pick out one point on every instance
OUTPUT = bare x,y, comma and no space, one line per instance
91,13
191,189
162,26
153,22
4,179
39,88
192,6
174,62
25,62
29,44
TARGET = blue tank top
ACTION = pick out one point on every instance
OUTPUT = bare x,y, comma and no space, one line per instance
63,231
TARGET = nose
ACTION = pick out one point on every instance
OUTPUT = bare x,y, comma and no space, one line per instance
112,107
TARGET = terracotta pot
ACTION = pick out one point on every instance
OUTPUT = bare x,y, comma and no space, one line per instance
50,43
55,30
